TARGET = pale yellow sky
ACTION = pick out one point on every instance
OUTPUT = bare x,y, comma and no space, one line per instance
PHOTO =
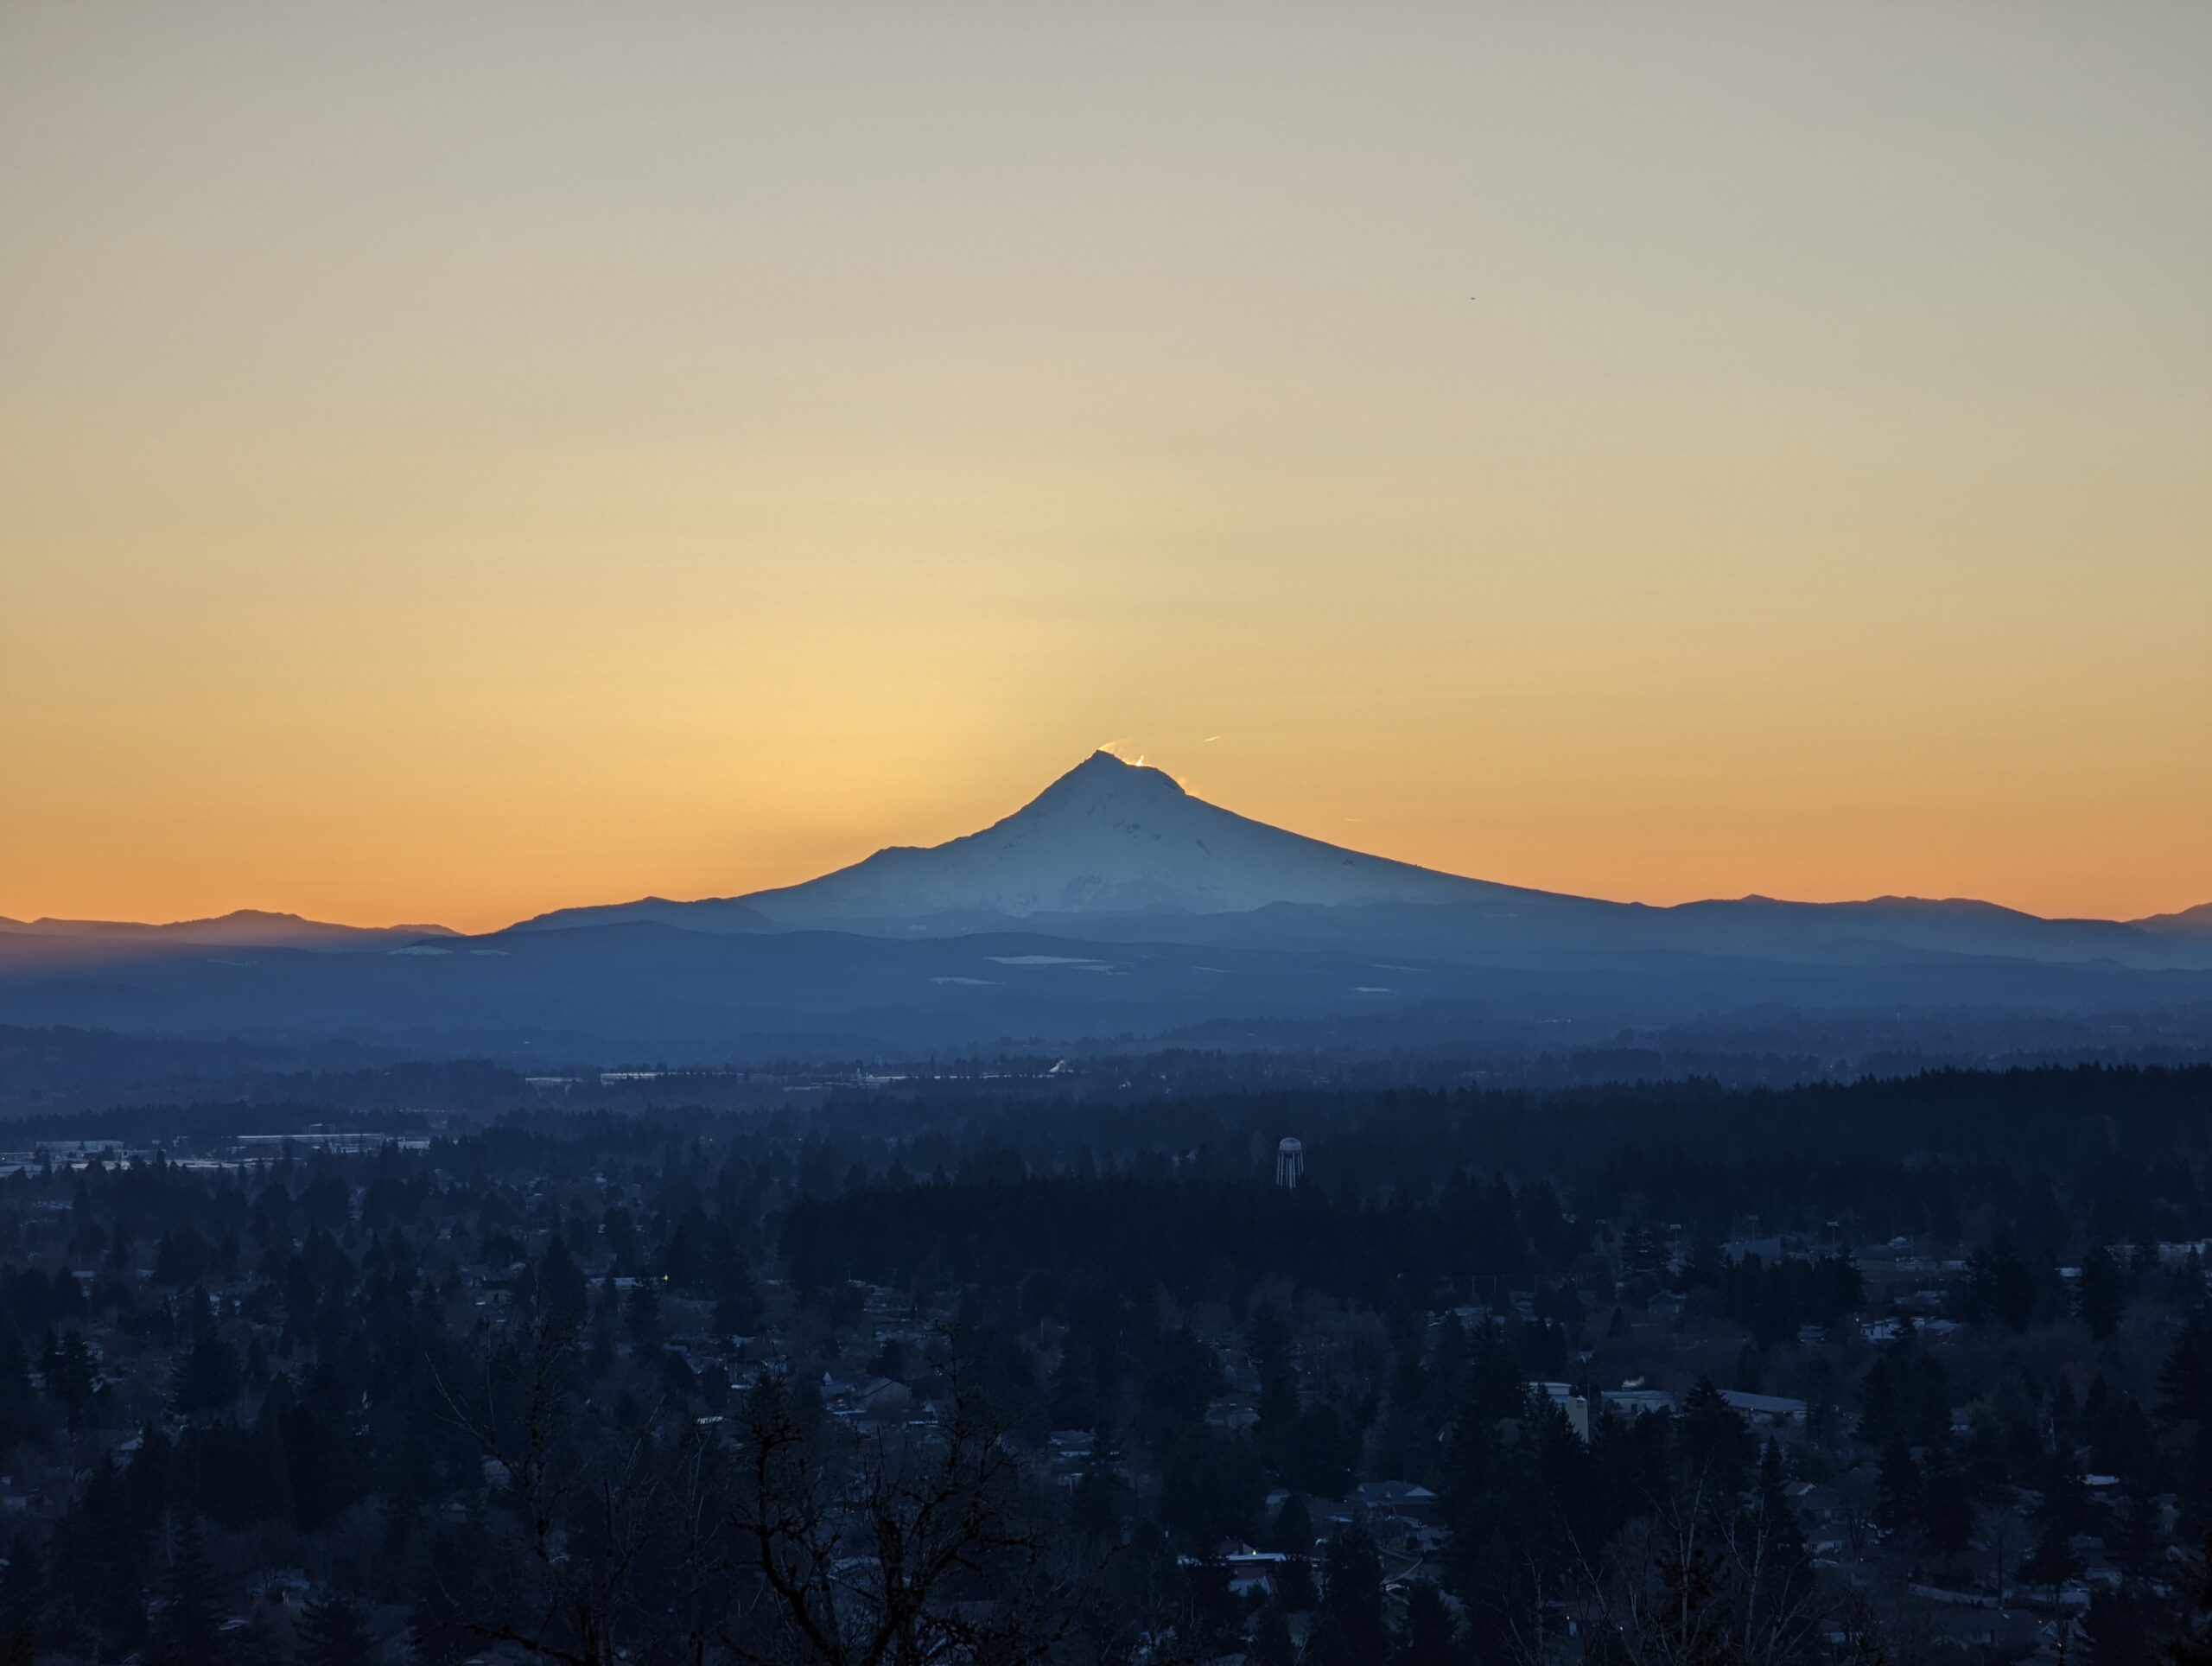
460,462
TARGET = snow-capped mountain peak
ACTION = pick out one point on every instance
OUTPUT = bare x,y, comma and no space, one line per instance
1105,786
1108,837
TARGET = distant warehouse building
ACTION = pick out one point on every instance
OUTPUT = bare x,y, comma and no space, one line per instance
1766,1407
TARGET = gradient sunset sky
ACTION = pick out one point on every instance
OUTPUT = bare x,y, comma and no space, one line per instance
461,461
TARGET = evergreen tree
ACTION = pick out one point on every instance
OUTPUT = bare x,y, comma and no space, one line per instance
334,1632
1101,1503
1426,1639
1216,1615
210,1379
1946,1513
1268,1339
641,1315
2001,1285
190,1623
458,1597
2186,1379
2103,1293
23,1603
1184,1380
1750,1369
257,1645
2065,1505
18,1411
1294,1590
69,1375
1347,1628
681,1262
1897,1496
1294,1528
1904,1397
1317,1452
2118,1629
2134,1543
737,1302
1271,1643
1690,1623
2121,1440
1496,1385
562,1296
1715,1444
1778,1525
2057,1518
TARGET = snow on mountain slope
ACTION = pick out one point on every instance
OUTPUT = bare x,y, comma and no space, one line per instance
1111,838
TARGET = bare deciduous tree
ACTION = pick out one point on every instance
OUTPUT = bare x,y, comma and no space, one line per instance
586,1514
894,1549
1689,1586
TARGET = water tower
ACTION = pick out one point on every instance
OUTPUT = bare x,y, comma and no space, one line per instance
1290,1163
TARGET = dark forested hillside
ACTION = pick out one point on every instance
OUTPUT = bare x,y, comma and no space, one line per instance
1902,1369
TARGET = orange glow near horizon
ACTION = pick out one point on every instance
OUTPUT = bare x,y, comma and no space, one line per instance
458,464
